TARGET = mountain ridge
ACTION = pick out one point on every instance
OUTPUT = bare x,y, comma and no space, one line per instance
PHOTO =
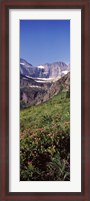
33,93
47,70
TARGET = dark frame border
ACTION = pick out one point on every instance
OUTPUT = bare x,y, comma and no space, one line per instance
4,127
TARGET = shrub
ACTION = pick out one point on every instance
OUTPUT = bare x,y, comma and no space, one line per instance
44,156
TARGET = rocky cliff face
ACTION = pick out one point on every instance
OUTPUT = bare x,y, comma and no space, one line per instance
39,83
34,93
48,70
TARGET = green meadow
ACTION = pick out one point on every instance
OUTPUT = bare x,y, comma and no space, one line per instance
45,140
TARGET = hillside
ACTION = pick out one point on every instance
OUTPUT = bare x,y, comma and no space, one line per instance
34,92
45,140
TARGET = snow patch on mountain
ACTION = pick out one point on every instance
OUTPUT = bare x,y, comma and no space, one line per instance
41,67
22,63
65,72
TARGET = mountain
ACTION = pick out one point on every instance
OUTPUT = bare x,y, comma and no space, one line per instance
48,70
56,69
34,93
39,83
26,68
25,63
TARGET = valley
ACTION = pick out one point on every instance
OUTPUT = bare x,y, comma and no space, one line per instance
44,122
35,90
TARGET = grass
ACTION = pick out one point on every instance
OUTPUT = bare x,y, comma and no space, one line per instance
45,140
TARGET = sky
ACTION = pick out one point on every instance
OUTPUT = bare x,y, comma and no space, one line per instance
45,41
